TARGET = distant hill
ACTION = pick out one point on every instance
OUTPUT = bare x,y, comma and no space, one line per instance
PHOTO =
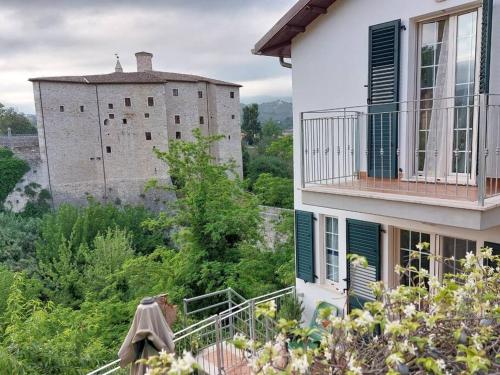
278,110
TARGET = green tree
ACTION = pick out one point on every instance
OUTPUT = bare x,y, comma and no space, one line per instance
251,124
17,122
270,132
266,164
274,191
109,252
282,148
216,213
11,171
17,242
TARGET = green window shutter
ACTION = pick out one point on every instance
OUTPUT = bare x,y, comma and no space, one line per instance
383,98
304,245
363,238
484,75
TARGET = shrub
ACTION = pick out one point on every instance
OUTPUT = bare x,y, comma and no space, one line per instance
11,171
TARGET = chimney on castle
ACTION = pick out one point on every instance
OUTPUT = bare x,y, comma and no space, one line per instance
144,61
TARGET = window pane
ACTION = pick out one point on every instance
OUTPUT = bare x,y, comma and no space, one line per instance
405,239
331,249
427,77
428,33
329,240
427,55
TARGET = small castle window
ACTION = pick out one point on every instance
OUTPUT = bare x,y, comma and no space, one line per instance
177,135
61,108
202,120
124,121
175,92
111,116
128,103
231,94
151,101
229,137
146,115
148,136
110,106
200,94
233,116
108,149
106,121
82,108
177,119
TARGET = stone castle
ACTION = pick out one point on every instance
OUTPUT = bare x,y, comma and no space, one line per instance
97,132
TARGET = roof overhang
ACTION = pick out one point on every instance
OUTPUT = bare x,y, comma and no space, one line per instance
277,41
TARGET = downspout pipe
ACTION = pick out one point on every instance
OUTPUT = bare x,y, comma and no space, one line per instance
285,64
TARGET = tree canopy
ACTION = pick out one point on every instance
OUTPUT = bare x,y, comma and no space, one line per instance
17,122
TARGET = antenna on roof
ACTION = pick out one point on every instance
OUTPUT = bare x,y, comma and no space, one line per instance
118,66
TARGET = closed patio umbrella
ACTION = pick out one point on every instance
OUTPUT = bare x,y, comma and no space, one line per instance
147,336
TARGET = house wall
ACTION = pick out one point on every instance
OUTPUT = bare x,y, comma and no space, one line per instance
330,59
330,70
334,294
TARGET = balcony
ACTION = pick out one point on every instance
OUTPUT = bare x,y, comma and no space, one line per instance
440,151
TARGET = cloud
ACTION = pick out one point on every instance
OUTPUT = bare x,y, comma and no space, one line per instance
205,37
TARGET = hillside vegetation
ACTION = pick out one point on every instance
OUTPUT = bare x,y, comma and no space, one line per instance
70,280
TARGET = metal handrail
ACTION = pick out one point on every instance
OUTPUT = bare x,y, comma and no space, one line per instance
212,326
449,149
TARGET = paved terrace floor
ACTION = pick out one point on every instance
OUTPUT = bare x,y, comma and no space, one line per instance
446,189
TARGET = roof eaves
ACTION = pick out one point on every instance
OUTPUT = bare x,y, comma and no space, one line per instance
277,41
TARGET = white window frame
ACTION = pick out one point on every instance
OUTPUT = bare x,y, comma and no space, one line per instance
325,249
397,252
462,178
435,249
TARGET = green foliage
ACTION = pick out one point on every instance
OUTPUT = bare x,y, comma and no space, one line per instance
432,327
282,148
17,241
251,124
291,308
11,170
266,164
272,157
270,132
84,270
110,252
217,214
274,191
17,122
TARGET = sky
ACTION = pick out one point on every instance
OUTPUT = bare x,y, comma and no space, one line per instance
76,37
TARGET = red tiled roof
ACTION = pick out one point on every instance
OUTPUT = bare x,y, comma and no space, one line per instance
134,77
278,40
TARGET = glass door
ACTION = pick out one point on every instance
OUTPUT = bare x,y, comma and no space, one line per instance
447,86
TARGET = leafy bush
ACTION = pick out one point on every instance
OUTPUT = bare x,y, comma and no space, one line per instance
17,242
274,191
267,164
11,170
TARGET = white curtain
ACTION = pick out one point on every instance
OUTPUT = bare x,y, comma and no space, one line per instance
435,150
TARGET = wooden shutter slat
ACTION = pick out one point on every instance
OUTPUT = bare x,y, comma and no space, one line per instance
304,245
383,95
363,238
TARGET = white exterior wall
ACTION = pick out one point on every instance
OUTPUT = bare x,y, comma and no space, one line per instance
330,70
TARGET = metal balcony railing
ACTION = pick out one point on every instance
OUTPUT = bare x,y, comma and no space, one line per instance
440,148
209,339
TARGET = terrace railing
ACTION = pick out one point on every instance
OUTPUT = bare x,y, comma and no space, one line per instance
443,148
209,339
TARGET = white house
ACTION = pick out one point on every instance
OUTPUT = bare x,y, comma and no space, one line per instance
396,136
